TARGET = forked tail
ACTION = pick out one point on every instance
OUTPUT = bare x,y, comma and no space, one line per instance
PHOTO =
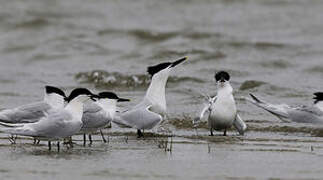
279,110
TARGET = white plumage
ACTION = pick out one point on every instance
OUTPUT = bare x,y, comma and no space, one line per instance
149,112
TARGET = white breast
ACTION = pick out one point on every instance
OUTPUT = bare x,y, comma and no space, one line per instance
223,110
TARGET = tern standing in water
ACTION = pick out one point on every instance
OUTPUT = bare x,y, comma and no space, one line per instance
151,110
54,98
98,114
222,108
300,114
56,124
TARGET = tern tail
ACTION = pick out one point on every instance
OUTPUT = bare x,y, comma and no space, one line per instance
10,125
240,125
279,110
17,129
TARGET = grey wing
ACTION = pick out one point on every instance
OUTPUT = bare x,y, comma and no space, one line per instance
306,115
200,117
207,107
139,118
25,114
17,129
118,119
279,110
143,104
310,109
239,125
49,125
95,119
125,118
91,108
93,116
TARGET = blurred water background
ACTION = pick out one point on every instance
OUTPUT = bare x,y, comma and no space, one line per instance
272,48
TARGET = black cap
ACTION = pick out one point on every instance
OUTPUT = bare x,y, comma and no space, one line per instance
111,95
318,96
78,91
56,90
155,69
221,76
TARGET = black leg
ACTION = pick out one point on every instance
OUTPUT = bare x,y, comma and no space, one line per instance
84,139
49,146
58,147
36,141
225,132
211,131
102,135
90,139
71,142
12,139
139,133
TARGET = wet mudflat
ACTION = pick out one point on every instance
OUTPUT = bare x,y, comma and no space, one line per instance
187,156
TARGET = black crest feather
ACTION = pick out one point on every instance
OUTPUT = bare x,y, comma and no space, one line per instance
318,96
111,95
52,89
222,75
155,69
76,92
107,94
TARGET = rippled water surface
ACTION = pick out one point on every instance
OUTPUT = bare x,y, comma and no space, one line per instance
272,48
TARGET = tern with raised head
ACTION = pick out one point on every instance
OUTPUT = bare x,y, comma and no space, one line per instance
152,109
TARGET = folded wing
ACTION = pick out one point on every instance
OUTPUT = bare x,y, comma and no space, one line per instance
25,114
139,118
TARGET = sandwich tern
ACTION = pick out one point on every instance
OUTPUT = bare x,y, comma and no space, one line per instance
56,124
98,114
151,110
300,114
54,99
222,108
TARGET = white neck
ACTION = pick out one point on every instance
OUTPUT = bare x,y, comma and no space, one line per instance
156,90
224,89
108,105
76,108
319,105
54,100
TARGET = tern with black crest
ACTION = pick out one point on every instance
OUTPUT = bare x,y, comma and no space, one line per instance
54,98
57,124
222,108
99,114
152,109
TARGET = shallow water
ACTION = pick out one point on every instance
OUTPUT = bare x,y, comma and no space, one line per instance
271,48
